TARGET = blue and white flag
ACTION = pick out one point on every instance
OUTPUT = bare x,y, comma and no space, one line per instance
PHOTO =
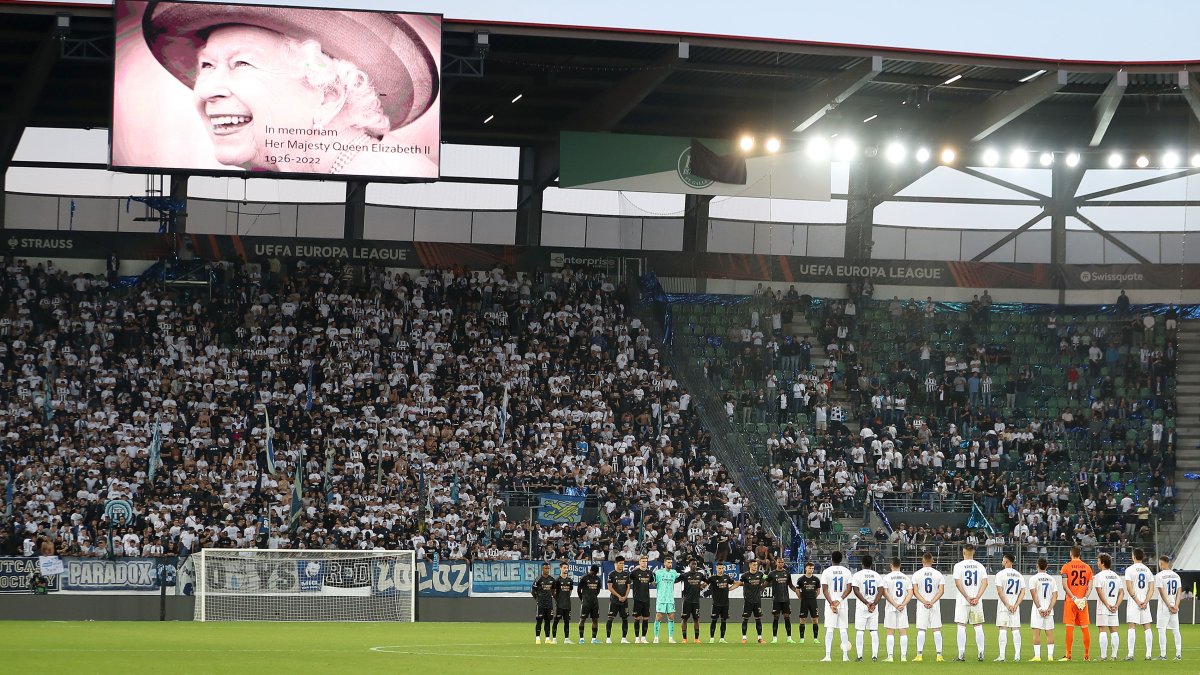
309,404
8,491
270,441
504,413
555,508
297,506
155,449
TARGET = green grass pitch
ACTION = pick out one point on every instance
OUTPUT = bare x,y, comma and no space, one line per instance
293,648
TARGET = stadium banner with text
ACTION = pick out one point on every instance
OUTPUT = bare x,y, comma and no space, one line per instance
39,245
242,89
555,508
16,575
602,161
444,579
120,575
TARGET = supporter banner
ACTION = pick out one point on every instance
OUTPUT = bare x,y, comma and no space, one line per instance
122,574
556,508
36,245
446,579
594,161
16,575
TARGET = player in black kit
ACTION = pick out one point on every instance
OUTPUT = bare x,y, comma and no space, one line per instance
808,585
562,602
543,592
781,590
589,602
718,588
641,579
753,583
694,582
618,593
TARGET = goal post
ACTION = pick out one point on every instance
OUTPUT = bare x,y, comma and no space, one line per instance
305,585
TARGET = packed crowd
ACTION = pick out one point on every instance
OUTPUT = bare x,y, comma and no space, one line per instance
416,405
891,415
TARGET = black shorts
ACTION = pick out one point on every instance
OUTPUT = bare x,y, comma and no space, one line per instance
565,610
641,608
720,612
616,607
752,608
808,608
784,607
589,610
691,609
544,612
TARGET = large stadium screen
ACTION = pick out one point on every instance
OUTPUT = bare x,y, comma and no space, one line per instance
260,90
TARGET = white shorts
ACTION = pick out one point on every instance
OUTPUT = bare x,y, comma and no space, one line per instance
1039,622
1007,619
839,620
963,612
895,619
1106,619
864,620
1166,619
929,617
1136,615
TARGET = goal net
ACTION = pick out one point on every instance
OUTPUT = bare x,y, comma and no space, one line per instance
305,585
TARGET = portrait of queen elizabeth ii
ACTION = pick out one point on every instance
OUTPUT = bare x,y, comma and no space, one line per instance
283,89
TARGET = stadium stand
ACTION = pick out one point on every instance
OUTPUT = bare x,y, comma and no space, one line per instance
388,390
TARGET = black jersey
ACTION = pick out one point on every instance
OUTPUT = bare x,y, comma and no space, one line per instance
781,584
719,585
693,584
753,583
620,583
641,580
589,588
562,591
809,587
543,591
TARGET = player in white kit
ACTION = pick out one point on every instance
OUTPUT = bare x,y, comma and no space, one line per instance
928,588
1139,589
836,584
971,580
1110,588
868,591
1010,589
1169,588
1043,590
898,589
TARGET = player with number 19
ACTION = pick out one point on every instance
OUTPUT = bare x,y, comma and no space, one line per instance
1170,587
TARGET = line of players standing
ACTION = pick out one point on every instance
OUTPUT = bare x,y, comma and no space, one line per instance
894,591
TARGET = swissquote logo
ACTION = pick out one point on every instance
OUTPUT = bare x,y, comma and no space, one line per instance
683,167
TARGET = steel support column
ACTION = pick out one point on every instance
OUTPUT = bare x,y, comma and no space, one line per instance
695,223
537,171
179,193
356,210
861,200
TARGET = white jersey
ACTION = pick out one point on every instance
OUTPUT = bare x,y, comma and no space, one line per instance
868,583
927,581
897,585
1010,584
1108,586
1168,584
973,576
1141,582
1044,589
837,579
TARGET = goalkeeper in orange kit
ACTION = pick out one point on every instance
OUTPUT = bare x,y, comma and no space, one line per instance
1077,582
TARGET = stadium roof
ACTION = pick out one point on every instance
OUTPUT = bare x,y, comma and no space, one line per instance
634,81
